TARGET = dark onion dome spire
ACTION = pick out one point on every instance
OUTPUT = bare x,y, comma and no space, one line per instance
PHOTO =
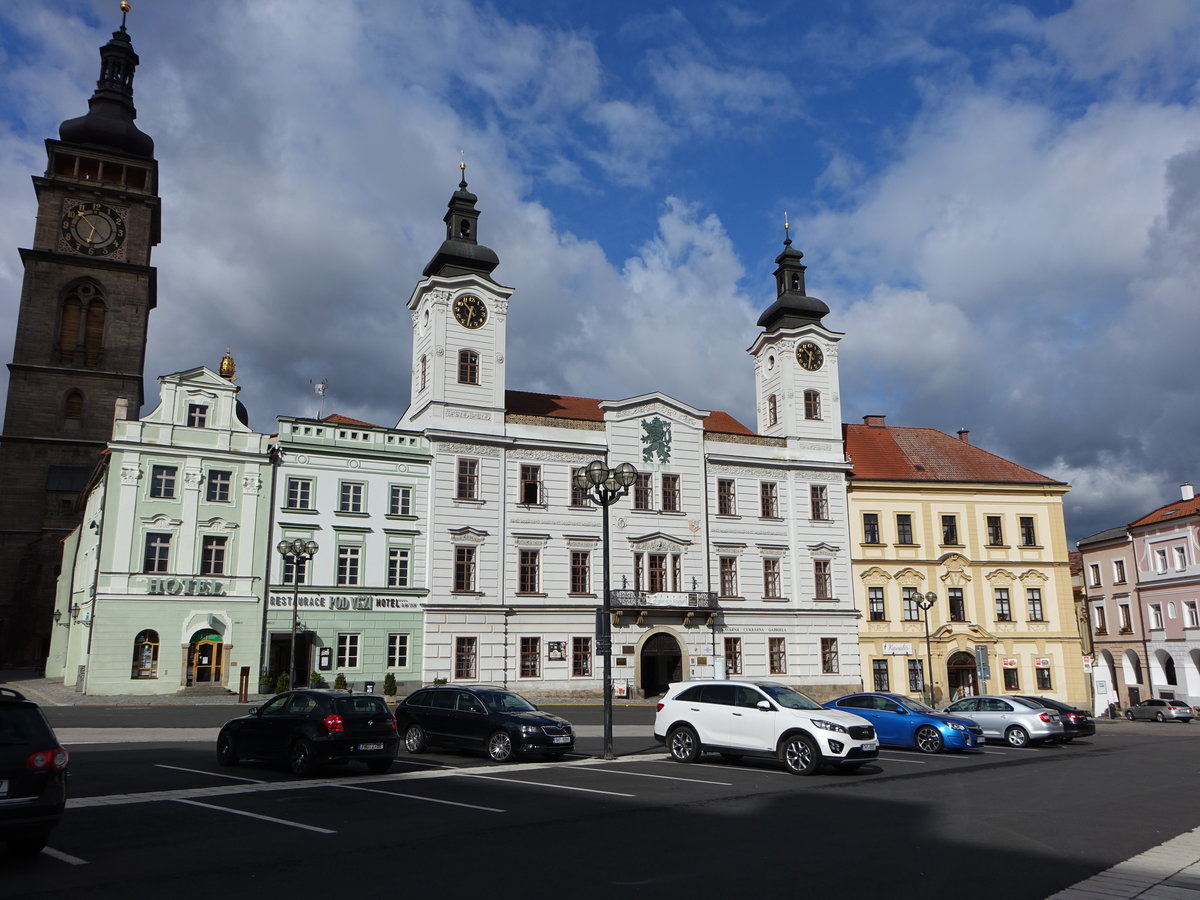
792,306
108,124
460,253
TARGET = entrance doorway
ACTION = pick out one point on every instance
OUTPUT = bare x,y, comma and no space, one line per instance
962,676
205,658
661,663
281,650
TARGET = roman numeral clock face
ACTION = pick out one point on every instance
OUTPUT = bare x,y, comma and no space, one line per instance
470,311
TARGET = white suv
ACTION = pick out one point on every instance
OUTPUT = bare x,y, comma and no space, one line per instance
760,718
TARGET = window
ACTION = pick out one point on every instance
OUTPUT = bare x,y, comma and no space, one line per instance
1028,534
1189,611
579,496
1160,560
73,406
916,675
768,499
818,496
158,553
670,493
726,506
771,581
643,492
397,652
197,415
299,493
212,556
1099,621
1012,680
949,529
530,657
772,411
1033,597
218,486
958,608
289,570
424,372
1094,571
400,500
468,367
1118,571
657,571
637,571
528,565
912,611
1003,610
829,656
812,405
733,656
351,497
399,562
870,528
347,651
729,576
876,611
1042,675
162,482
581,657
1180,558
879,675
1156,618
464,657
823,578
145,655
348,565
777,655
995,533
581,571
904,531
464,569
468,479
531,485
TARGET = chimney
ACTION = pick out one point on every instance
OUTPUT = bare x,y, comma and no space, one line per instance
874,421
964,435
1186,491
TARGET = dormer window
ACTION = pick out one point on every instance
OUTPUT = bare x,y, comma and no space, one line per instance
197,416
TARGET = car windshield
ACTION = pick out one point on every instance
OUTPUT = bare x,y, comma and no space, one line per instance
505,701
788,698
914,705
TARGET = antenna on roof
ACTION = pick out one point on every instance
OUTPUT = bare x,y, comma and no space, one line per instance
319,388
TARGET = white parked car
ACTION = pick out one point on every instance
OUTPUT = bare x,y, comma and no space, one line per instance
761,718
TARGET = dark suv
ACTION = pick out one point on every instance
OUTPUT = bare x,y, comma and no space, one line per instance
483,718
309,728
33,775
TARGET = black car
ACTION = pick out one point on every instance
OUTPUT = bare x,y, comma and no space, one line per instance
481,717
33,775
310,728
1076,722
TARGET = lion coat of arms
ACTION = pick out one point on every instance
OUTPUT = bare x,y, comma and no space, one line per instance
656,440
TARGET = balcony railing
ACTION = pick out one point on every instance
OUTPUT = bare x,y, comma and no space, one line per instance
664,600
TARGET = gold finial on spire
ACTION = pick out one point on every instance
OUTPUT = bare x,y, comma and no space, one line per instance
228,368
462,162
125,8
787,234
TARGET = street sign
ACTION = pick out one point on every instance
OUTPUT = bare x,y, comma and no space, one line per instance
982,663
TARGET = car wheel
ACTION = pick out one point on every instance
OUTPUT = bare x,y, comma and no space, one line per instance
731,757
684,745
928,739
414,739
1159,717
28,846
1017,736
226,751
378,766
1129,714
800,754
500,747
300,758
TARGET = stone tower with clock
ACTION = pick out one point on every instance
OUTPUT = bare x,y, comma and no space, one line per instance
80,340
459,315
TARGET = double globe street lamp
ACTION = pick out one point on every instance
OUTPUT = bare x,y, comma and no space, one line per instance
925,601
299,552
604,487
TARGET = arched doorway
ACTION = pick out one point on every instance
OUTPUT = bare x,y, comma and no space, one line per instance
661,663
205,657
961,676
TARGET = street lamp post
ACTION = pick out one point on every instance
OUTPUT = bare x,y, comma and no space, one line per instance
299,552
925,601
604,486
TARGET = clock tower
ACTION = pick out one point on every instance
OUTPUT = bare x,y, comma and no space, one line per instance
80,341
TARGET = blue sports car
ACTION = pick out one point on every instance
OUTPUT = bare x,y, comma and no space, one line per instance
904,722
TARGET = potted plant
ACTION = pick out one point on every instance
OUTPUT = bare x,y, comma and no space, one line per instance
283,683
315,680
339,683
265,682
389,685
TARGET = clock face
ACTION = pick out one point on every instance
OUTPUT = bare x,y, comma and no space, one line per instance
809,356
93,228
470,311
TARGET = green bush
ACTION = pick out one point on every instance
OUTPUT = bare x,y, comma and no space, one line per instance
441,681
315,680
283,683
389,684
340,682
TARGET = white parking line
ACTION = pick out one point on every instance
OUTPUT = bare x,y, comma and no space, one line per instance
554,787
647,775
352,787
915,762
756,771
213,774
239,812
65,857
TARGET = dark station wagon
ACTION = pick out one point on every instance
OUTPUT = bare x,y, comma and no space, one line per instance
33,775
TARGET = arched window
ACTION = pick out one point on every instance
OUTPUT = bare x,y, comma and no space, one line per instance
73,406
81,325
772,411
812,404
468,367
93,332
424,372
795,282
68,328
145,655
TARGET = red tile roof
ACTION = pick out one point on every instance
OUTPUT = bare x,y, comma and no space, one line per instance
1177,510
338,419
925,454
557,406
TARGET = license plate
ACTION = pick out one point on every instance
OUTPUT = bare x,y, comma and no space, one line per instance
870,745
561,739
376,746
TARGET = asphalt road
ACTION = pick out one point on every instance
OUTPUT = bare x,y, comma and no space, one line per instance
163,819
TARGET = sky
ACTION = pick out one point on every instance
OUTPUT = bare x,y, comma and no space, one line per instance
999,202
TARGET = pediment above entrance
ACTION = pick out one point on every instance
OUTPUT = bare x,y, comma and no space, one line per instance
659,542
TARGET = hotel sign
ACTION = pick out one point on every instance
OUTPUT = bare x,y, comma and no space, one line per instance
193,587
342,602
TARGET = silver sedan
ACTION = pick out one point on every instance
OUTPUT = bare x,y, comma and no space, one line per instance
1008,719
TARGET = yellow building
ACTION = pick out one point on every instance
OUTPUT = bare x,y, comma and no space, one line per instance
933,517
